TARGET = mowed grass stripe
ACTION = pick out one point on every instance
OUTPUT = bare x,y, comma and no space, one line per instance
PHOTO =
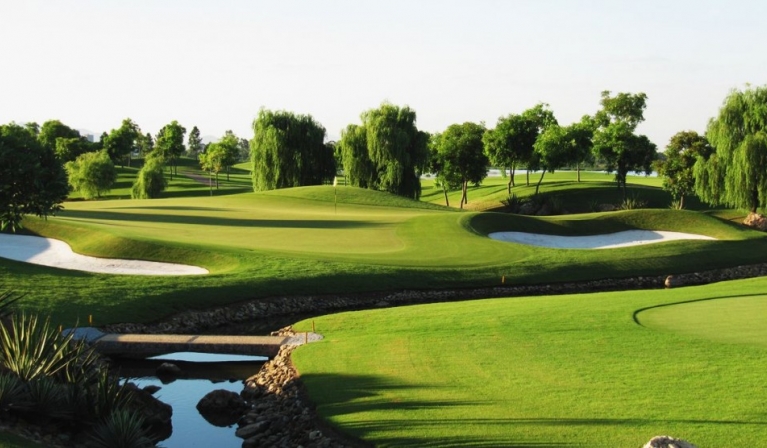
547,371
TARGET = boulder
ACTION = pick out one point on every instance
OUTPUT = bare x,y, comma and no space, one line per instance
673,281
222,407
757,221
668,442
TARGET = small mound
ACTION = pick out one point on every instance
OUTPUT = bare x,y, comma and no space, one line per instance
607,241
58,254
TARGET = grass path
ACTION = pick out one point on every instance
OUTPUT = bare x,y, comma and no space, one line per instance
571,370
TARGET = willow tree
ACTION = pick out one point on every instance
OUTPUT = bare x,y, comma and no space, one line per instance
288,150
395,151
736,174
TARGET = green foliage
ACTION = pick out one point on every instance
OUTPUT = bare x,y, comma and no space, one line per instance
676,168
460,153
387,152
52,131
221,155
32,179
512,204
194,142
632,202
614,141
121,142
736,174
288,150
68,149
11,391
169,144
31,349
122,429
150,181
91,174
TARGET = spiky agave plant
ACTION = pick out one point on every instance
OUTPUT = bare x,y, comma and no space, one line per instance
30,348
122,429
11,391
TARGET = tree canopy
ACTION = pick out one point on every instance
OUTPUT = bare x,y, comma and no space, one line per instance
735,175
91,174
32,179
676,168
121,142
194,142
170,144
510,143
461,156
288,150
386,152
150,181
614,140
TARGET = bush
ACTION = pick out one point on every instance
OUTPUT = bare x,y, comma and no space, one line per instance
633,203
122,429
513,203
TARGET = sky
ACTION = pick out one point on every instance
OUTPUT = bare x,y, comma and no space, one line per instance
215,64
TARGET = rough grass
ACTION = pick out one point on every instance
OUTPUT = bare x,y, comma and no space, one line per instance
573,370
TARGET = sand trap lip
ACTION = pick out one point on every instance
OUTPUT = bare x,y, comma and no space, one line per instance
605,241
58,254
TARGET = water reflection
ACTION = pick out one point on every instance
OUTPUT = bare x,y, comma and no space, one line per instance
200,374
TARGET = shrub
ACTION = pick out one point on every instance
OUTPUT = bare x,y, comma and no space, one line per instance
632,203
150,181
122,429
11,391
513,203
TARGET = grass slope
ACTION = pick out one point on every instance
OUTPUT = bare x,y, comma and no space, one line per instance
572,370
332,240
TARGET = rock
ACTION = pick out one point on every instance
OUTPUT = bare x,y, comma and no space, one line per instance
157,415
222,407
250,431
152,389
757,221
168,369
673,281
668,442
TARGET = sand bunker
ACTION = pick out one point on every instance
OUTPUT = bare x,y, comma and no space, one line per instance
58,254
607,241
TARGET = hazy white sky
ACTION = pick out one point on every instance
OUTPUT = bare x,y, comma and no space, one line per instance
214,64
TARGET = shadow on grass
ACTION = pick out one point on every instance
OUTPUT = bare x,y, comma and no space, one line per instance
215,221
338,395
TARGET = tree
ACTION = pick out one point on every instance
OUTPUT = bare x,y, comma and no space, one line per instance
150,181
735,174
170,144
461,156
288,150
553,148
91,174
145,143
358,168
581,136
447,180
32,179
53,130
677,166
510,144
213,159
614,140
194,142
68,149
121,142
394,152
231,146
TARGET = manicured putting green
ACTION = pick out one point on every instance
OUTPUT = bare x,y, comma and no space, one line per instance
740,320
571,370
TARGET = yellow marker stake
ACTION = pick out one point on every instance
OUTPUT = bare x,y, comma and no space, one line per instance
503,279
90,319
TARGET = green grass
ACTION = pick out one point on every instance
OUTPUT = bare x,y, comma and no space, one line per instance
334,240
575,370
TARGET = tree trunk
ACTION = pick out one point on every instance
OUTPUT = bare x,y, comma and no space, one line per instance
216,180
681,201
578,168
463,193
528,178
539,181
754,200
447,201
508,184
511,174
227,173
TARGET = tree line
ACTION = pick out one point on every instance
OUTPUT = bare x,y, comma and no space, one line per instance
387,152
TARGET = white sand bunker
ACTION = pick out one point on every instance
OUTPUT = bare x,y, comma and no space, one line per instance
58,254
607,241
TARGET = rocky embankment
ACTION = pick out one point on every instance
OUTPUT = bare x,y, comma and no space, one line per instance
279,415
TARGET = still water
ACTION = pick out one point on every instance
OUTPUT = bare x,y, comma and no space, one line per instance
202,373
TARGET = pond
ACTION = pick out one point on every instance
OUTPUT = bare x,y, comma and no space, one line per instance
201,373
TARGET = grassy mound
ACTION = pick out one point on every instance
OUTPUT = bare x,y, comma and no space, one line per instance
549,371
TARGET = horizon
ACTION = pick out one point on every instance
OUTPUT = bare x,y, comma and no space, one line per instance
215,66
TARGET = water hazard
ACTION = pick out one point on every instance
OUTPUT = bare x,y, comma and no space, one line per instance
200,373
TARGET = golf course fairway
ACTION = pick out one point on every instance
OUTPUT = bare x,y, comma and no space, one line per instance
571,370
